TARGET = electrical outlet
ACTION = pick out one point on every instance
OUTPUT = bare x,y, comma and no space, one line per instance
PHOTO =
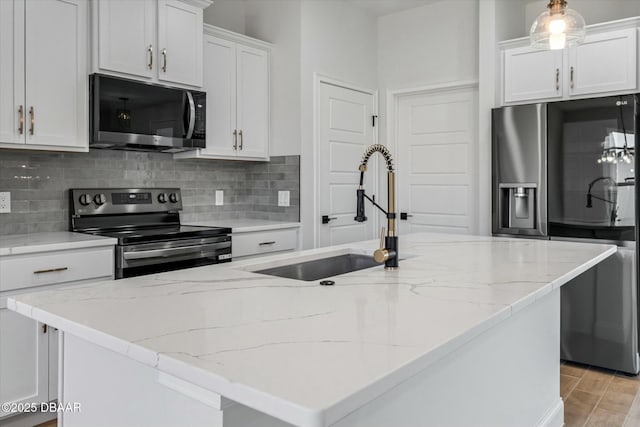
283,198
5,202
219,197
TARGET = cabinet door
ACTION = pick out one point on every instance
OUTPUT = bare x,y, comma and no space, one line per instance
531,74
180,43
23,359
126,36
56,73
220,85
11,71
253,102
604,63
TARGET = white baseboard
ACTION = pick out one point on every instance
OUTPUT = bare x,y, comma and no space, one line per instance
554,416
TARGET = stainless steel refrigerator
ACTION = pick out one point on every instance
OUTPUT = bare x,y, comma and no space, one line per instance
566,171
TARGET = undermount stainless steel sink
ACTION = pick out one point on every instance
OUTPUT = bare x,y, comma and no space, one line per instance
322,268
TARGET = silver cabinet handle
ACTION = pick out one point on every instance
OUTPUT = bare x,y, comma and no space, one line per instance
266,243
557,79
51,270
21,119
241,139
164,60
150,49
235,139
571,77
32,127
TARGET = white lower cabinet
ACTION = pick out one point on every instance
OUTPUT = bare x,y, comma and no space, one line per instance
264,242
24,360
29,349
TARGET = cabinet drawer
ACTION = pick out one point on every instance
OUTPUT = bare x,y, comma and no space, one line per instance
264,242
48,268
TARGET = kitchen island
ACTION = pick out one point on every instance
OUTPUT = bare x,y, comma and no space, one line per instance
465,333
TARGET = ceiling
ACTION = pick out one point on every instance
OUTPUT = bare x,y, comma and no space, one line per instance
386,7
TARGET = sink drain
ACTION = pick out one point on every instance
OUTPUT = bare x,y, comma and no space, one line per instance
327,283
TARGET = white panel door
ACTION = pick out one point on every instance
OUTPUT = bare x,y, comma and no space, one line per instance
220,85
126,35
56,73
604,63
345,130
437,153
23,360
531,74
11,71
253,102
180,42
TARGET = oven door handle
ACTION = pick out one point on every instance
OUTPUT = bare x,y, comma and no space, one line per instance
169,252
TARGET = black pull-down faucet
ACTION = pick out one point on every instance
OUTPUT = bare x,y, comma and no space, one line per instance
388,251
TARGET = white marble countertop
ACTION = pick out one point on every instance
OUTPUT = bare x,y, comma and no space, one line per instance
243,225
15,244
310,354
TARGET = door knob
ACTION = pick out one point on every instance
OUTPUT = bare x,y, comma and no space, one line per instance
326,219
405,216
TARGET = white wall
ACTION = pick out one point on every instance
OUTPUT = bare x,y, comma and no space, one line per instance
278,22
338,40
227,14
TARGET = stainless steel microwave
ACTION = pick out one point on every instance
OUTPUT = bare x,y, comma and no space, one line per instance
138,116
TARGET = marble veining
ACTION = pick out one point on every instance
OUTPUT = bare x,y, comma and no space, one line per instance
300,351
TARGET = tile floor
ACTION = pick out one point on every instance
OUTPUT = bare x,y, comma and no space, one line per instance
596,397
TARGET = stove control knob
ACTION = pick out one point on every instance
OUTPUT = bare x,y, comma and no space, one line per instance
85,199
100,199
162,198
173,198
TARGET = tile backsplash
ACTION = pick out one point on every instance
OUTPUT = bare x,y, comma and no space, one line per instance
38,182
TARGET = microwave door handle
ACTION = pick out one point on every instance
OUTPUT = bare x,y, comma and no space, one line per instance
192,115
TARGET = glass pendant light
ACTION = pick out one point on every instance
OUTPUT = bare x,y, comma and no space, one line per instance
557,27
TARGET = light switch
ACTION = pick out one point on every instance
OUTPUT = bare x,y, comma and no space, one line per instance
283,198
219,197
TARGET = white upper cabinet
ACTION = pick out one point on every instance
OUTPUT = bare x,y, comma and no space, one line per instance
43,75
532,74
150,40
252,102
604,63
126,38
220,85
236,79
179,42
11,71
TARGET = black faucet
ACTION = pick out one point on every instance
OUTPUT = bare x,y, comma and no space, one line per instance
590,197
388,251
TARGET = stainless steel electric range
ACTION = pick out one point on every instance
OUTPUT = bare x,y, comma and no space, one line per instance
146,222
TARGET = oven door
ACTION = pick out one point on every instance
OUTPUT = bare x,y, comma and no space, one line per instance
148,258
